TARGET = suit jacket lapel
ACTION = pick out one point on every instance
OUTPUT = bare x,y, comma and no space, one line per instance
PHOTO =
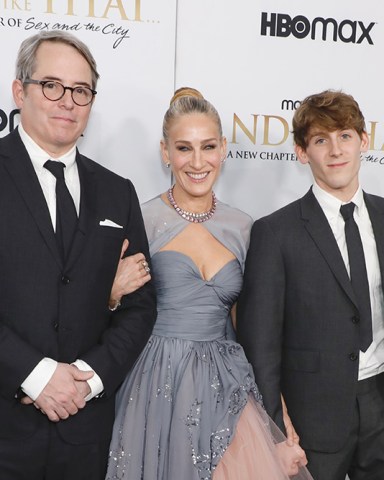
319,229
87,213
20,168
376,215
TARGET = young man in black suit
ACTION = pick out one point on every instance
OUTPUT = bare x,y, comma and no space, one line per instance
63,353
310,320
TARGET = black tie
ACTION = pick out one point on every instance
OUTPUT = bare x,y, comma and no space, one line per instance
66,216
358,274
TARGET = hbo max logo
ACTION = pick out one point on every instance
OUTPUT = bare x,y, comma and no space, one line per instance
8,120
347,31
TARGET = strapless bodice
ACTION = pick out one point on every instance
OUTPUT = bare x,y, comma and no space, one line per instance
189,306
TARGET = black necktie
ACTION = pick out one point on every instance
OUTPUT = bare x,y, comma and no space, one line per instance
66,216
358,274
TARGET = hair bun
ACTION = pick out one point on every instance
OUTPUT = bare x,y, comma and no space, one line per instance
185,92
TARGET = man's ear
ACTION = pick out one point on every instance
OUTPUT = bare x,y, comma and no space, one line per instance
18,93
364,142
301,154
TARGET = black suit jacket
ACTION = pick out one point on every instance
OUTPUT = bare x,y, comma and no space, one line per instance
298,319
48,309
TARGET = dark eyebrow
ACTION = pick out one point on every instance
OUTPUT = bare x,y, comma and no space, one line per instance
317,133
56,79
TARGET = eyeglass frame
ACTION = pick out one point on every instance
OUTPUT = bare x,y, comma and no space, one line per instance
31,81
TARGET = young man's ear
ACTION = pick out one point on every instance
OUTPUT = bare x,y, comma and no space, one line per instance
301,154
364,142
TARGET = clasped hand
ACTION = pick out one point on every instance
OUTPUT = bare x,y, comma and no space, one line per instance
64,394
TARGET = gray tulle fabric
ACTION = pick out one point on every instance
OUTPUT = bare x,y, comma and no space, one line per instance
178,408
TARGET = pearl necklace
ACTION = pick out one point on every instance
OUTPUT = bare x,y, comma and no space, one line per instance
191,216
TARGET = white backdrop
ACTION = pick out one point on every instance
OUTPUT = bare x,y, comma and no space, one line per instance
147,48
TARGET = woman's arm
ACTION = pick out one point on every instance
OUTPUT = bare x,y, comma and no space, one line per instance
132,273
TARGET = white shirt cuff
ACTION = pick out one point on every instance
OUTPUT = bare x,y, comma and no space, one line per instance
36,381
95,383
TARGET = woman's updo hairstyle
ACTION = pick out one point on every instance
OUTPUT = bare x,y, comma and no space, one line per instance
186,101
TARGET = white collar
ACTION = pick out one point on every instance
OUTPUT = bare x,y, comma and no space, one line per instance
331,204
40,156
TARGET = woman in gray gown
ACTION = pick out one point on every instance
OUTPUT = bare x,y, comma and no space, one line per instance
190,409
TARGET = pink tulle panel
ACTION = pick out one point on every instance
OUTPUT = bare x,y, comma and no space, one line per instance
258,450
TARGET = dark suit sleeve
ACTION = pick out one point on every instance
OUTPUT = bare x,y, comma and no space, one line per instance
17,360
131,325
260,314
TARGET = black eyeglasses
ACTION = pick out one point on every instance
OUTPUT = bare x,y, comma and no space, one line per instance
53,91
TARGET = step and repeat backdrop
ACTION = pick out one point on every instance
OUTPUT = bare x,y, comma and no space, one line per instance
133,42
254,59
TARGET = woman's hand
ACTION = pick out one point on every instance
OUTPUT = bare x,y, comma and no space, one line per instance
132,273
292,436
291,457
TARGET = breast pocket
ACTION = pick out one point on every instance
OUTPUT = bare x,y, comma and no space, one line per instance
107,242
110,232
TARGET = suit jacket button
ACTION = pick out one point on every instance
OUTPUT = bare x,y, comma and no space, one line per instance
65,280
56,326
356,319
353,356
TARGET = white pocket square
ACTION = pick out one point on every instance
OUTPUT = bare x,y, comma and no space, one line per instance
109,223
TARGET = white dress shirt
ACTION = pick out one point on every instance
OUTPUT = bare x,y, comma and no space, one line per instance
41,374
371,362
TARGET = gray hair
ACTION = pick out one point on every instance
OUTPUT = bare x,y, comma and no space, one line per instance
26,57
187,101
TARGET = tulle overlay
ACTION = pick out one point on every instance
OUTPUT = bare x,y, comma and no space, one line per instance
254,451
190,409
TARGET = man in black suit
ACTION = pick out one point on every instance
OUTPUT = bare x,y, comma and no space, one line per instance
304,322
63,353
